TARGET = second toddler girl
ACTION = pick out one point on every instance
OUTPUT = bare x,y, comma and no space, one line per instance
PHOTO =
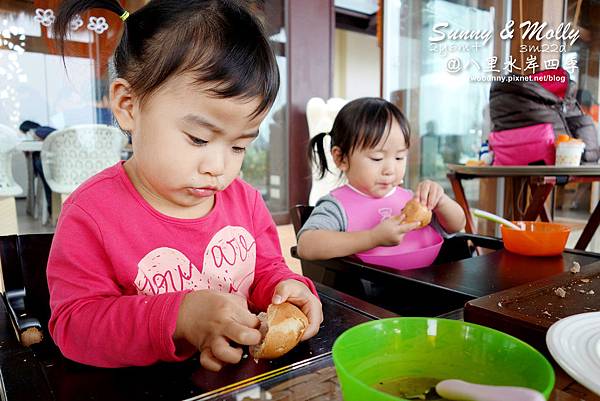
370,140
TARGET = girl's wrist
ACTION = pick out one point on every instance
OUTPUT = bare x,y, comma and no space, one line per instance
372,238
442,202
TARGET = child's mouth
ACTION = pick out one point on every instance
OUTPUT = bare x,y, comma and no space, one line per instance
203,192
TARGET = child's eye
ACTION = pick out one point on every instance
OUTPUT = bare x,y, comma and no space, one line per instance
237,149
376,159
400,158
197,141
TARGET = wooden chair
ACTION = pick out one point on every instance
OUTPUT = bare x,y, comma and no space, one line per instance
299,214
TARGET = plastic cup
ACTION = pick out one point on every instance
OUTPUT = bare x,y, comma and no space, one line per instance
568,154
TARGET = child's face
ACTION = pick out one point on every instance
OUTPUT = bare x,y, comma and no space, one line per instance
378,170
187,146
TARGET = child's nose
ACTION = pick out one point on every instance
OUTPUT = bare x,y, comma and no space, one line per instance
213,164
388,168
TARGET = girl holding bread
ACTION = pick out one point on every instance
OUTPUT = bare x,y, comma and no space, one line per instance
370,141
170,252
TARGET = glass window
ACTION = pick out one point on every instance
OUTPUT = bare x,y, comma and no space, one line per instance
438,56
582,60
36,86
266,162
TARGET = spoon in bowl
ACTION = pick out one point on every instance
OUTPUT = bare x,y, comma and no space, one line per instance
464,391
459,390
496,219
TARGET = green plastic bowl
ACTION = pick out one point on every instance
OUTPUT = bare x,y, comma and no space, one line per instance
388,349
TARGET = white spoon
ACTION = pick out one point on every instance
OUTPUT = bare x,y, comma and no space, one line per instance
459,390
496,219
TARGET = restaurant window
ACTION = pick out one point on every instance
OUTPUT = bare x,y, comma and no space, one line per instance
36,86
582,58
436,57
266,162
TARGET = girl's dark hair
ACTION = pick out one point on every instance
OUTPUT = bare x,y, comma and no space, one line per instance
360,124
219,42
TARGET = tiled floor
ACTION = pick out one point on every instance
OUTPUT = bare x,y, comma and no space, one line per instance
27,224
287,237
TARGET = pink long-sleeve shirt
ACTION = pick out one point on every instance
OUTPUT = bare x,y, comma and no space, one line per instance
118,269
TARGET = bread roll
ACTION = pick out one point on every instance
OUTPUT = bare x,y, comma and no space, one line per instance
282,327
416,212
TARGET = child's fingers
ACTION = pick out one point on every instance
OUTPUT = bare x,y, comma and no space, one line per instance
434,197
423,192
245,318
209,362
399,218
285,290
404,228
241,334
223,351
315,318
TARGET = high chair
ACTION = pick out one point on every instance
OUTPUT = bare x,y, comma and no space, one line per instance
24,259
385,288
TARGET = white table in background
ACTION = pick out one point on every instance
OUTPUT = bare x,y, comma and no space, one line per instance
29,146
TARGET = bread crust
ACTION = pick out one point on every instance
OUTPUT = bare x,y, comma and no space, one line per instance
415,212
286,325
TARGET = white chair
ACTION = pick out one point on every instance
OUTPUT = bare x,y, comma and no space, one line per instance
72,155
320,116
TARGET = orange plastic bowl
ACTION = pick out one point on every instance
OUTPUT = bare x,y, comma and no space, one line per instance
538,238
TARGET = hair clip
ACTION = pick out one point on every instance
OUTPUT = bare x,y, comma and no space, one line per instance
124,16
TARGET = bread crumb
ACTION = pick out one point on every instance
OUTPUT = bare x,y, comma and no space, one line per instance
591,292
585,280
31,336
576,268
582,291
546,313
560,292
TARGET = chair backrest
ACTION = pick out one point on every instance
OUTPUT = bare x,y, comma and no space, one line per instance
299,214
8,143
72,155
24,259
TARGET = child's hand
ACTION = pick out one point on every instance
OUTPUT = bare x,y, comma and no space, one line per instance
209,320
429,194
390,232
297,293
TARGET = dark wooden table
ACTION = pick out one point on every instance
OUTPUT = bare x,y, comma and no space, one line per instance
445,286
41,373
540,179
317,380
